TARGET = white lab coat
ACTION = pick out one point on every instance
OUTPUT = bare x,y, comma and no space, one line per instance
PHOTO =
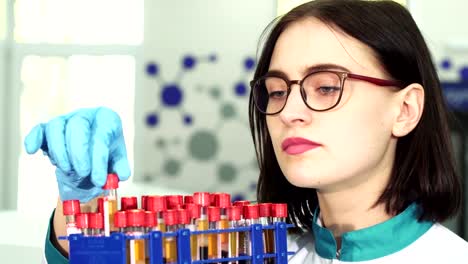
438,245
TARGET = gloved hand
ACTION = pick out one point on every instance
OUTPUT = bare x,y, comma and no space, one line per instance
84,146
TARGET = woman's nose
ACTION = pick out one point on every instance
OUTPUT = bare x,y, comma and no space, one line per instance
295,111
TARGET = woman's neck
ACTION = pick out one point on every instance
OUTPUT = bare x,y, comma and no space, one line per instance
341,213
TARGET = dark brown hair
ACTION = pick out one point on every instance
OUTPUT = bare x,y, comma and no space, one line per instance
424,168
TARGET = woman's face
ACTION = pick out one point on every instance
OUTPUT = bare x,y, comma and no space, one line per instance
347,145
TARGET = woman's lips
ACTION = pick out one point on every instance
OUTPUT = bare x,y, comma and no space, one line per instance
298,145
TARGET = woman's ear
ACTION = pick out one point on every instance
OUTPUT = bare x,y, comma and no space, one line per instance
410,102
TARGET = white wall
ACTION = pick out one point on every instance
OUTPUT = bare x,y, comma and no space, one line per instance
231,30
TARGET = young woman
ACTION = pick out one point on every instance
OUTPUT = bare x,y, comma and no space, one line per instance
350,130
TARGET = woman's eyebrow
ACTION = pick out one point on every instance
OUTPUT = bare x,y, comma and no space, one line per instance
308,69
323,66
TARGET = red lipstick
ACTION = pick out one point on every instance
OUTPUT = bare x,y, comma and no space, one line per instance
298,145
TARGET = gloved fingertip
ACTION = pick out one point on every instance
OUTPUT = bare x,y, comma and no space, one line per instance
122,169
98,178
34,140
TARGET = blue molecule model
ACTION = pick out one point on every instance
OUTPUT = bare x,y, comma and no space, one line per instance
152,120
152,69
249,64
238,197
464,74
446,64
189,62
212,58
240,89
188,119
171,95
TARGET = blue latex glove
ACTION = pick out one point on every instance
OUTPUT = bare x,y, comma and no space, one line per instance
84,146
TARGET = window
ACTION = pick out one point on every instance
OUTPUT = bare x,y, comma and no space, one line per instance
65,55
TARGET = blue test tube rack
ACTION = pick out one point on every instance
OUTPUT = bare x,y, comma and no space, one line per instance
112,249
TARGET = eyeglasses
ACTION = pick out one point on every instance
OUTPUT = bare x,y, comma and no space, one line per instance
321,90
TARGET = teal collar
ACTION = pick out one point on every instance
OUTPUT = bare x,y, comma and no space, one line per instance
372,242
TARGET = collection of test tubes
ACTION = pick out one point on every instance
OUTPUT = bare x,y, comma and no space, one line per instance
198,212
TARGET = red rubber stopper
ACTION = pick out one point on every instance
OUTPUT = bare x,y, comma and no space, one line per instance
112,182
202,198
135,218
251,211
128,203
156,203
279,210
214,214
150,219
82,220
71,207
222,200
120,219
95,220
170,217
234,213
264,209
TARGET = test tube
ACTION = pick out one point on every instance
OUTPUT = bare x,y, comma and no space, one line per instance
214,246
128,203
268,234
223,201
136,227
120,221
242,235
234,216
251,215
70,209
82,223
170,247
110,202
151,224
202,199
156,203
95,224
194,213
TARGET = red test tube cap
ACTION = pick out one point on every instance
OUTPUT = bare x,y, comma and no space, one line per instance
264,209
241,203
71,207
193,210
170,217
188,199
183,216
173,201
234,213
82,220
222,200
202,198
95,220
128,203
279,210
135,218
150,219
251,211
156,203
120,219
214,214
112,182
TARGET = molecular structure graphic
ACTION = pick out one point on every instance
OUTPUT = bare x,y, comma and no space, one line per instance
203,144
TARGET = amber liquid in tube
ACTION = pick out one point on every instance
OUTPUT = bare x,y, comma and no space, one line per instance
170,247
224,237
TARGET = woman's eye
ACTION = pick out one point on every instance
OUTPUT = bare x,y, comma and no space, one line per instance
328,90
277,94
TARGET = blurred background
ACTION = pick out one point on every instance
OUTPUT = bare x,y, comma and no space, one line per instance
177,73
